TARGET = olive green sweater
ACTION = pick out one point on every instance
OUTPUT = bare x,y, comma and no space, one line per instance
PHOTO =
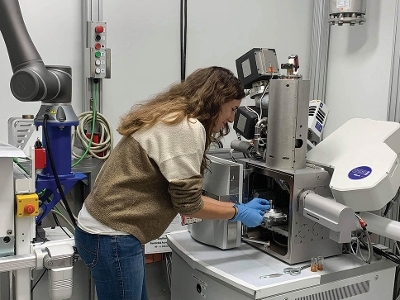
149,178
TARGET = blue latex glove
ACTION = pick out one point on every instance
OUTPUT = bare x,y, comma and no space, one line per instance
252,213
258,203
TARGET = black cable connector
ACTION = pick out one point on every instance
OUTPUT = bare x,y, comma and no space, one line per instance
38,144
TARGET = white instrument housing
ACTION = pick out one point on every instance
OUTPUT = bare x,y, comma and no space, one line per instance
363,157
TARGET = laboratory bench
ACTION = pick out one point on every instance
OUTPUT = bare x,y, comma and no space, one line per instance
203,272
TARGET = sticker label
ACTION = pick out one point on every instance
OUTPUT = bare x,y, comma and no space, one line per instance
343,4
318,126
360,172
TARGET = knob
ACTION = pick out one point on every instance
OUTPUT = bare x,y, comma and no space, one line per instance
99,29
29,209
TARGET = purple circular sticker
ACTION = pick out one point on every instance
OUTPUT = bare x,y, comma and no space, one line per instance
360,172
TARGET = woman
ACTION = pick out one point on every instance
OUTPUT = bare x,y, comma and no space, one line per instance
154,173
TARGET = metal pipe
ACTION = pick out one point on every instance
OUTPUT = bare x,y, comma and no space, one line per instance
340,219
257,133
381,226
17,262
319,49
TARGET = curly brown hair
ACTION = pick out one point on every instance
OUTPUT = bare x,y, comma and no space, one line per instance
200,96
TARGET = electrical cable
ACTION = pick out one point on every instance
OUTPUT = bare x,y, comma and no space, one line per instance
62,204
53,169
368,245
100,150
231,154
217,144
262,97
253,111
15,160
168,265
183,35
65,219
396,291
103,147
55,218
275,241
44,239
387,254
40,278
55,213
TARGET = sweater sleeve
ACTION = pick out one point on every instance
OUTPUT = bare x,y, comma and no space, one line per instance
186,195
178,151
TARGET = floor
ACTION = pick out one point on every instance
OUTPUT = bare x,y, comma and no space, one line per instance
157,281
156,276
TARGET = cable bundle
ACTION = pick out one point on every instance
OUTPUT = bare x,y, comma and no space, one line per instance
100,149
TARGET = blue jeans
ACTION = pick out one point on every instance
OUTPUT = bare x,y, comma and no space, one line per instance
117,264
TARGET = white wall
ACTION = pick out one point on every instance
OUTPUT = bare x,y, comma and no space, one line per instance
144,38
55,29
144,41
359,65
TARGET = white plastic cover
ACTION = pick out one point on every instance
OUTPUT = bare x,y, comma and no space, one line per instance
363,155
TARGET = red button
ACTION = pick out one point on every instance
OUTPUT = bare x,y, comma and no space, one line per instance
97,46
29,209
99,29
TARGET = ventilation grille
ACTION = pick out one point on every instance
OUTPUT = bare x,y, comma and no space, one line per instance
20,131
340,293
319,114
311,110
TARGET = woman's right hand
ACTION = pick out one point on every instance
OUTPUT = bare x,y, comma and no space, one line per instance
251,215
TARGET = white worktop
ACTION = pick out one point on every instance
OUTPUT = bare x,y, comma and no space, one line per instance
245,267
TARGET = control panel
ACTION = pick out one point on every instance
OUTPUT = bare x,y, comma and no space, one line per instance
27,205
98,56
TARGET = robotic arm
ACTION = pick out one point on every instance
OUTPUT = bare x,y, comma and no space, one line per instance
52,85
31,81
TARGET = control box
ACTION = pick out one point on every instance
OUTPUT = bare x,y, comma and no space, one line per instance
256,65
98,56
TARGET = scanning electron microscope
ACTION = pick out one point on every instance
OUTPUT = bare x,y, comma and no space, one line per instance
318,191
322,193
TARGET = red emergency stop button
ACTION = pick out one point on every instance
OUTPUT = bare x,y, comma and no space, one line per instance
99,29
29,209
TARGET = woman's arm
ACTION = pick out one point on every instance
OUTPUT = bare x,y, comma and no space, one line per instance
215,210
250,214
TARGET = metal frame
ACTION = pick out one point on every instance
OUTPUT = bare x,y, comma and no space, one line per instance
92,10
319,49
393,113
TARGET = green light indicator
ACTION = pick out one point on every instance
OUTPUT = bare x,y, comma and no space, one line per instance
97,54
